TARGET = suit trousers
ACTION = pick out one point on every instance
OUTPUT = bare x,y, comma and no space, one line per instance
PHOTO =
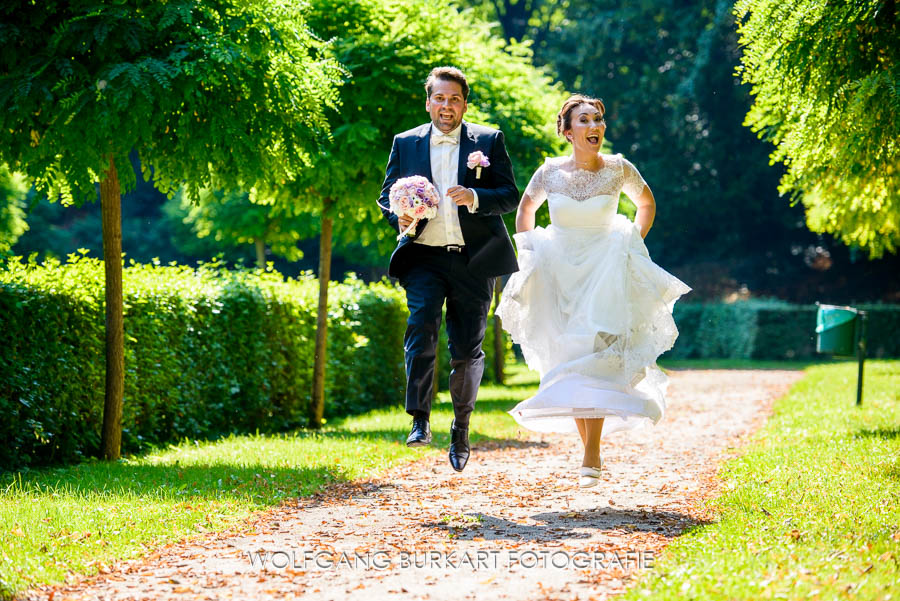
438,275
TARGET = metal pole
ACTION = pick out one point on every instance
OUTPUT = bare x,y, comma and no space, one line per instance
860,353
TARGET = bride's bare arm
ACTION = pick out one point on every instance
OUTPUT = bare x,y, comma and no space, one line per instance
525,214
646,211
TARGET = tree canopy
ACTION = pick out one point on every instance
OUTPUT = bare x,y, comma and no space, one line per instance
526,20
666,72
826,86
216,94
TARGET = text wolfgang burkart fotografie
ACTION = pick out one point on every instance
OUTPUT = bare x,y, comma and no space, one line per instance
481,559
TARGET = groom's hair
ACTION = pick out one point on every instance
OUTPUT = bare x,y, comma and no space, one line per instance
564,118
447,74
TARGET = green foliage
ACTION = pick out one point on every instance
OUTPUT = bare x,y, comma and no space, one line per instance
727,331
12,201
217,94
207,352
769,329
234,218
534,20
826,81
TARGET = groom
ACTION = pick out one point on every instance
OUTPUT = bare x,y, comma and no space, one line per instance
453,257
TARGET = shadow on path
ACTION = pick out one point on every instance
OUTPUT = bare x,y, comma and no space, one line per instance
566,525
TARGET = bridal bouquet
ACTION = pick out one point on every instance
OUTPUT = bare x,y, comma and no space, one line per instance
416,197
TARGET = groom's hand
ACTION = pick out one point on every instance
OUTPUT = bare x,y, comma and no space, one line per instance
404,221
461,196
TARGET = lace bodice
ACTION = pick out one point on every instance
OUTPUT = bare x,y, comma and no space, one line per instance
584,199
617,175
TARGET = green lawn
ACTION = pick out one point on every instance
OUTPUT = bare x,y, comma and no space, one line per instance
812,509
78,518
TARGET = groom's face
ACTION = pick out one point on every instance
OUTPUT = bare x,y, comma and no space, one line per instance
446,104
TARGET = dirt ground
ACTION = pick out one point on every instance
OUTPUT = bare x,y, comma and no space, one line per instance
513,525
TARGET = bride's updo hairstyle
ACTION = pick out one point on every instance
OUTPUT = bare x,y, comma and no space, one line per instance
564,119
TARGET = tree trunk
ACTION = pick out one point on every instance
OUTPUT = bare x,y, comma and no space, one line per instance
499,347
111,213
260,253
317,409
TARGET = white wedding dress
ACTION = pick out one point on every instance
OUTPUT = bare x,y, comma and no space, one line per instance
589,308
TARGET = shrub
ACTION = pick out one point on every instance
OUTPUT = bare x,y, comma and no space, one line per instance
207,352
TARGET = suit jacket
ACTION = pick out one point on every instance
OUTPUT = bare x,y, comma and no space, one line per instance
488,245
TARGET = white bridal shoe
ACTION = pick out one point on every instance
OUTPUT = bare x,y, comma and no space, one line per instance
590,476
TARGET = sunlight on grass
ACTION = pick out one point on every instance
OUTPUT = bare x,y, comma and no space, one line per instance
79,518
812,510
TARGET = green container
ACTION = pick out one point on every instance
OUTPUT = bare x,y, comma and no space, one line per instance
836,330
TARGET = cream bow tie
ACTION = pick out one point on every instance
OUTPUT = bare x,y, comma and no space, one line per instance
443,139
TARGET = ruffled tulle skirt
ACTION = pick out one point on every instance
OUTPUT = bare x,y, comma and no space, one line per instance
591,313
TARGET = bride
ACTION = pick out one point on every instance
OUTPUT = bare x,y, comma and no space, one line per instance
589,308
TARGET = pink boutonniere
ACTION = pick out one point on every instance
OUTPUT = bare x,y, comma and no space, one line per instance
476,161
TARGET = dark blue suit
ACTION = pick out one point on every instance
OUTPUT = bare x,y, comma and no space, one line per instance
465,280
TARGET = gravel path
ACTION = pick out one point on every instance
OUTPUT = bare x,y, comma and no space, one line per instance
514,525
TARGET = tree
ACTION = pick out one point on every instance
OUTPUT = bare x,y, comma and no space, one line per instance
234,218
12,200
522,20
388,47
217,94
826,86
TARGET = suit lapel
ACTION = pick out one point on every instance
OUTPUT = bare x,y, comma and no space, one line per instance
423,152
467,141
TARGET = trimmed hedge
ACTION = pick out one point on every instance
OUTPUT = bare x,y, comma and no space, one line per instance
770,329
207,352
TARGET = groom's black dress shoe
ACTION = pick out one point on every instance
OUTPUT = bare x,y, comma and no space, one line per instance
420,435
459,447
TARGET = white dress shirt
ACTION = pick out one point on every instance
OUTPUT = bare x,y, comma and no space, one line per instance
443,228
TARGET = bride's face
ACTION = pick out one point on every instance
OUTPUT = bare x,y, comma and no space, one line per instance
588,128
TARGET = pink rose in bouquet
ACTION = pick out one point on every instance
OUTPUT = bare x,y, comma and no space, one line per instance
415,197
